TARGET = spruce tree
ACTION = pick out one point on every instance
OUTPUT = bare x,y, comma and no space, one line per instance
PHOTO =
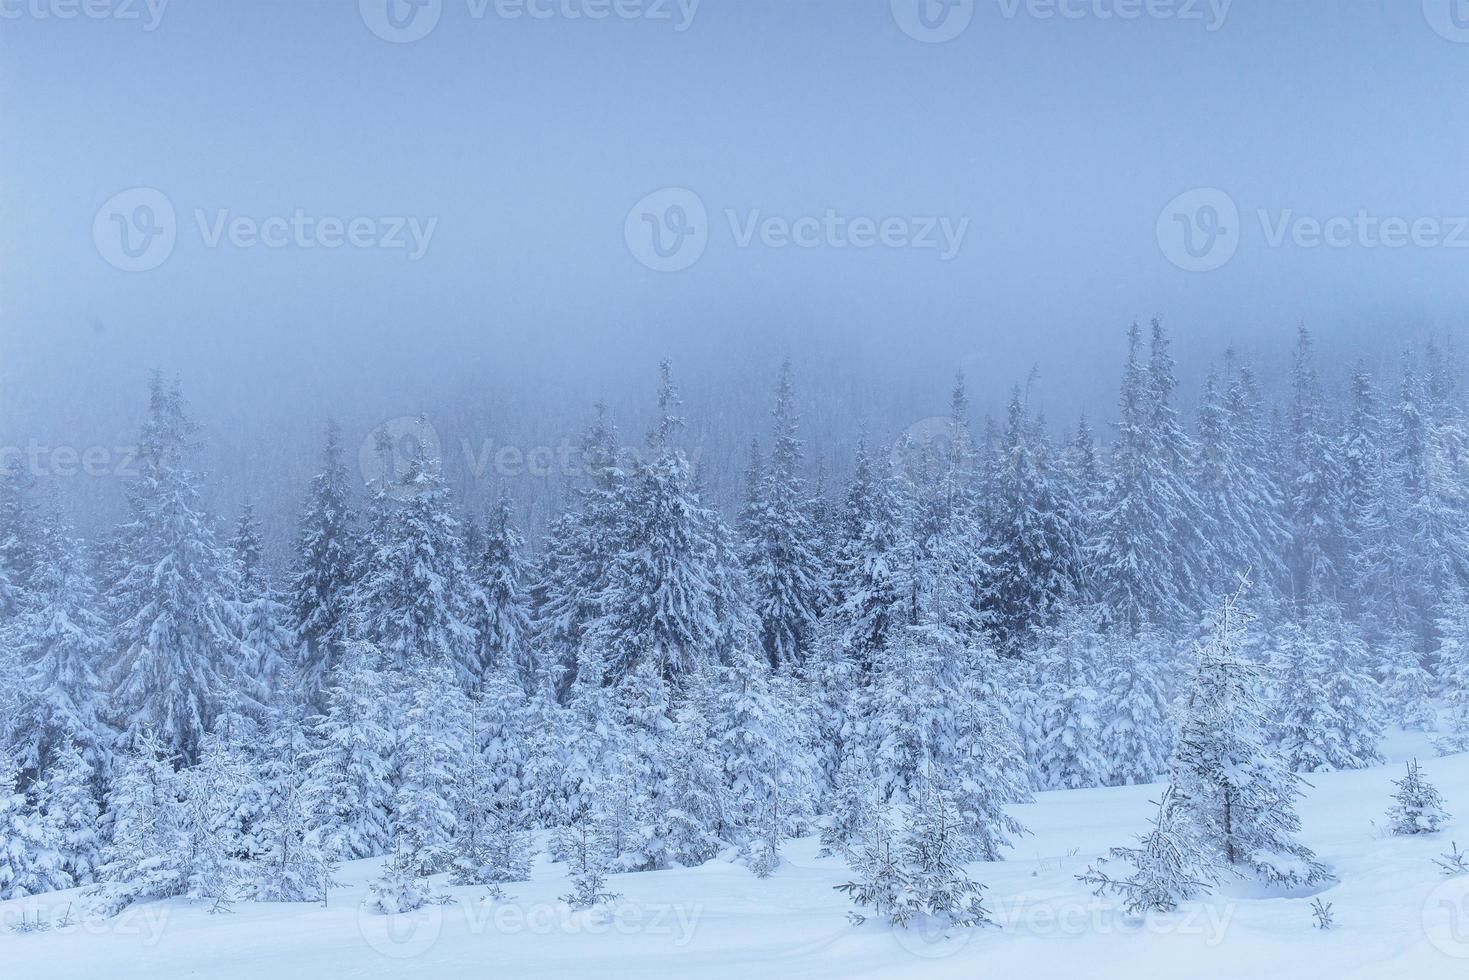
320,590
1236,792
1417,807
413,598
30,859
349,790
67,802
1071,754
1033,546
178,642
145,857
62,644
263,616
1165,865
501,618
784,565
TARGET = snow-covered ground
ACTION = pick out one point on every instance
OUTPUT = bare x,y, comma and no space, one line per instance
1395,915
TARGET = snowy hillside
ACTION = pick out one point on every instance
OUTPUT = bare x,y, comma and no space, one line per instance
1395,915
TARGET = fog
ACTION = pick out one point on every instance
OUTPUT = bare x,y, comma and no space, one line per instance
882,208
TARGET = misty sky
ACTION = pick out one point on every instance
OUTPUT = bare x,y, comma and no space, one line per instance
526,142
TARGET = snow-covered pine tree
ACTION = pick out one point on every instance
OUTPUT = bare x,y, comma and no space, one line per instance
349,763
632,779
1235,791
62,644
320,590
930,707
787,583
145,857
1315,491
1069,661
870,586
1328,708
1137,729
1428,457
493,820
590,847
1406,686
1165,865
263,616
1453,680
666,599
291,862
1256,480
852,804
216,799
413,598
501,617
1032,545
430,754
1135,551
696,813
571,574
934,848
30,857
758,740
178,641
18,558
1417,807
67,801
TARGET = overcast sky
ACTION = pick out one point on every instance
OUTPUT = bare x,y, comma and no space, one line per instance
340,216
